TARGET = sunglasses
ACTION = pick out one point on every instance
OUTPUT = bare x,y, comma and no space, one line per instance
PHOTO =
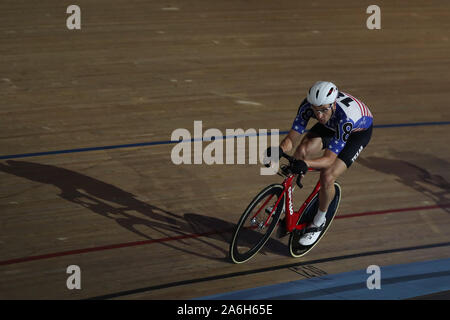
322,111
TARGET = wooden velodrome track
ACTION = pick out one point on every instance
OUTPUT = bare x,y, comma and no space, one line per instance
141,227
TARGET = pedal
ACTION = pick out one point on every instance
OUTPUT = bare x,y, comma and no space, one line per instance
298,233
315,229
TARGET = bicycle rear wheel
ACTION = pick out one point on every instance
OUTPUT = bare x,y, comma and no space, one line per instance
256,225
295,248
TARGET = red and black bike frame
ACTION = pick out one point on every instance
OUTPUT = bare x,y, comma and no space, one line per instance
292,216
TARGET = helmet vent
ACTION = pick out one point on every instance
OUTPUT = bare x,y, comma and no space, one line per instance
330,92
317,94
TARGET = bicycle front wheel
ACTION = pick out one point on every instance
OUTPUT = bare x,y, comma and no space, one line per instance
295,248
256,224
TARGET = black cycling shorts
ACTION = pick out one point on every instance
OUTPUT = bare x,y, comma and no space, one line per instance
356,142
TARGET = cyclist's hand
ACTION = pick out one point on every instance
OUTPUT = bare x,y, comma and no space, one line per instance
268,158
299,167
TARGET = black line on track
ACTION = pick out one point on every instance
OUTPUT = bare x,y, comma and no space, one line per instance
261,270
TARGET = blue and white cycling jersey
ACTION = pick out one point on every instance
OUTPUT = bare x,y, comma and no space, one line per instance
351,115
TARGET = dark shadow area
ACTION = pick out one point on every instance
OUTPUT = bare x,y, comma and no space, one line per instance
117,204
434,187
202,224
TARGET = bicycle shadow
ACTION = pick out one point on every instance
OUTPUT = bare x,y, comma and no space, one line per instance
202,224
433,186
114,203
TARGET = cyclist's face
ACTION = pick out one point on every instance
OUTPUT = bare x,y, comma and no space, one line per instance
323,113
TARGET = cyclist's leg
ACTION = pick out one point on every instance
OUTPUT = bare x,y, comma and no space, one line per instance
326,195
355,144
327,178
315,140
311,144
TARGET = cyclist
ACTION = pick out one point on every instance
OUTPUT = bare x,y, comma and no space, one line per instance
344,129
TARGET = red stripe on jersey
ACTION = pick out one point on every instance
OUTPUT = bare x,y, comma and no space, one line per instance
369,114
367,110
364,110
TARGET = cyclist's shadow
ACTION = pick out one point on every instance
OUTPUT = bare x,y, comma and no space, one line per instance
435,187
117,204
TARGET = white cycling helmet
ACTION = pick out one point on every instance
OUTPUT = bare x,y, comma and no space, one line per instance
322,92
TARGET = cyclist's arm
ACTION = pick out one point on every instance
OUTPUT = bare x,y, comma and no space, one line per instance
323,162
292,139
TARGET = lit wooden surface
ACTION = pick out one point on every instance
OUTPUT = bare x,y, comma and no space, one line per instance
136,71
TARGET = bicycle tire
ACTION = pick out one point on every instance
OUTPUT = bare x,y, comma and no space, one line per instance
243,234
295,248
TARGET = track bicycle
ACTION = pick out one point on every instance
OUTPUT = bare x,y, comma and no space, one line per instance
262,215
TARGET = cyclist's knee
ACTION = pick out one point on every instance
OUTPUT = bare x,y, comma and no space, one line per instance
301,152
307,148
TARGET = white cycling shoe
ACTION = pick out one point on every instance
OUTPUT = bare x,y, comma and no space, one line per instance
312,234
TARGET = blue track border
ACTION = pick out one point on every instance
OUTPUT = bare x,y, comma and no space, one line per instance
402,281
155,143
